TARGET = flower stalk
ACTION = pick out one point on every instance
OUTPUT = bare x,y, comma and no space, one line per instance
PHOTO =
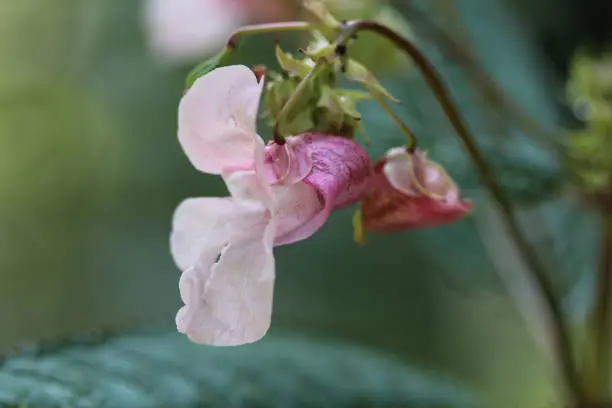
481,79
562,346
412,140
601,321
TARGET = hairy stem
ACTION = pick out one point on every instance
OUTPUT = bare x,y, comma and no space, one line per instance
562,344
412,140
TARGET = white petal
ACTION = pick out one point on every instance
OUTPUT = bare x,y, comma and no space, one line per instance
399,171
249,185
203,226
217,120
230,302
299,212
186,30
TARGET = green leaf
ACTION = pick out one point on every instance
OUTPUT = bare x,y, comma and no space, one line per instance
167,370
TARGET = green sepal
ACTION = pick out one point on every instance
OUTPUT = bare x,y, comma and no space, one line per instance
292,65
359,73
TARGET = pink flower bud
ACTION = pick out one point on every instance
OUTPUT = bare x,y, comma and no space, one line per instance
409,191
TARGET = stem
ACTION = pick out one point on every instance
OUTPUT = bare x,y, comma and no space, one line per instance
480,78
602,310
293,101
412,140
562,346
232,42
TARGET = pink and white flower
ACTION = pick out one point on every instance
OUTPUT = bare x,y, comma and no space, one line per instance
187,30
279,194
408,191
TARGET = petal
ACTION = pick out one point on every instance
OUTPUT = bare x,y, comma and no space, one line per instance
339,177
300,212
229,303
283,166
340,169
413,174
405,171
249,186
203,226
217,119
399,170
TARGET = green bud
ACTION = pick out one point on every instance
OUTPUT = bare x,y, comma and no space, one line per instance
205,67
321,107
319,47
278,91
294,66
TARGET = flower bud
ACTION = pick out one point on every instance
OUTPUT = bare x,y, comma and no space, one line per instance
408,191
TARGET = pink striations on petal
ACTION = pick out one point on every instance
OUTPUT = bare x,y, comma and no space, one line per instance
339,176
284,166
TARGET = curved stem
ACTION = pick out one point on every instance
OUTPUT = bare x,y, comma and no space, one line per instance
232,42
601,319
412,140
480,78
562,346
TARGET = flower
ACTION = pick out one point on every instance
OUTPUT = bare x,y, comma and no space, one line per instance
409,191
279,194
185,30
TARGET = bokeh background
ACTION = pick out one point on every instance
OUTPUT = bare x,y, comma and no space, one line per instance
91,172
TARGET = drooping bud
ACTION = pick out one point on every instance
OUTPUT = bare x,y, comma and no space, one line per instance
408,191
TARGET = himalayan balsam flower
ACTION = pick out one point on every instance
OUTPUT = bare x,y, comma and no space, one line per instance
278,195
187,30
409,191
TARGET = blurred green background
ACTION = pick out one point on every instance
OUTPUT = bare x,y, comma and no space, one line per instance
91,172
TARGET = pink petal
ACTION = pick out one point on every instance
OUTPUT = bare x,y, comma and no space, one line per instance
217,120
284,166
339,175
297,206
249,186
229,303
